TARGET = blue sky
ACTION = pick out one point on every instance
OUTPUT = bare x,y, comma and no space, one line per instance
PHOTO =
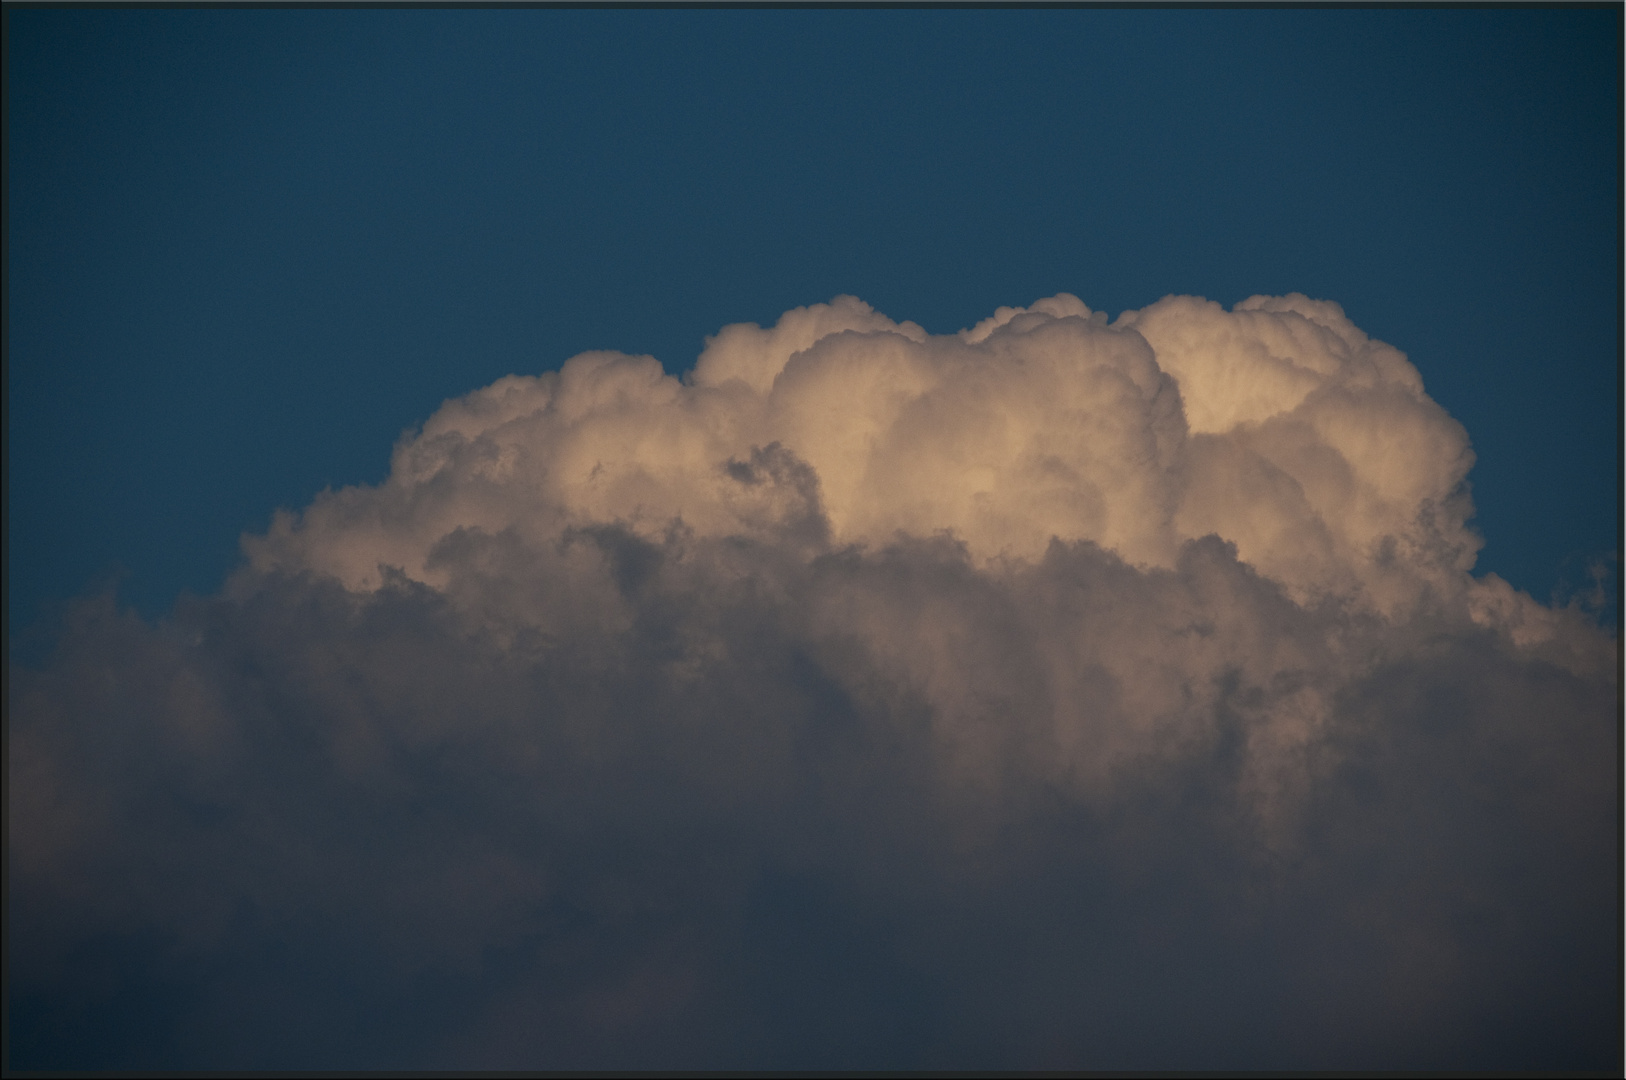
248,248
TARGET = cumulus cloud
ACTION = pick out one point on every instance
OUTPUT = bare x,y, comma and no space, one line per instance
1062,692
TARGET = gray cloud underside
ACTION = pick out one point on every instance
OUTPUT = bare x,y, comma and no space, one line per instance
1178,760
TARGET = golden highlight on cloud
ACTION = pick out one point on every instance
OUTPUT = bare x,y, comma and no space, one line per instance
1061,692
1278,426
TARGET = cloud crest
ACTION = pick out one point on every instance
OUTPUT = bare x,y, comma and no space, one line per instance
1277,426
865,697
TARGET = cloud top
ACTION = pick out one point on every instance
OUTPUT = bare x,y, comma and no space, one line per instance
1277,426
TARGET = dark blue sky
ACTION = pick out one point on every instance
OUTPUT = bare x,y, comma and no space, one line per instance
247,248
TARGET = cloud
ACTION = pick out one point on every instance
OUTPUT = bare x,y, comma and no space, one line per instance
1061,692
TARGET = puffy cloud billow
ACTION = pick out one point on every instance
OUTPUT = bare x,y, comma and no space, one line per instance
1061,692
